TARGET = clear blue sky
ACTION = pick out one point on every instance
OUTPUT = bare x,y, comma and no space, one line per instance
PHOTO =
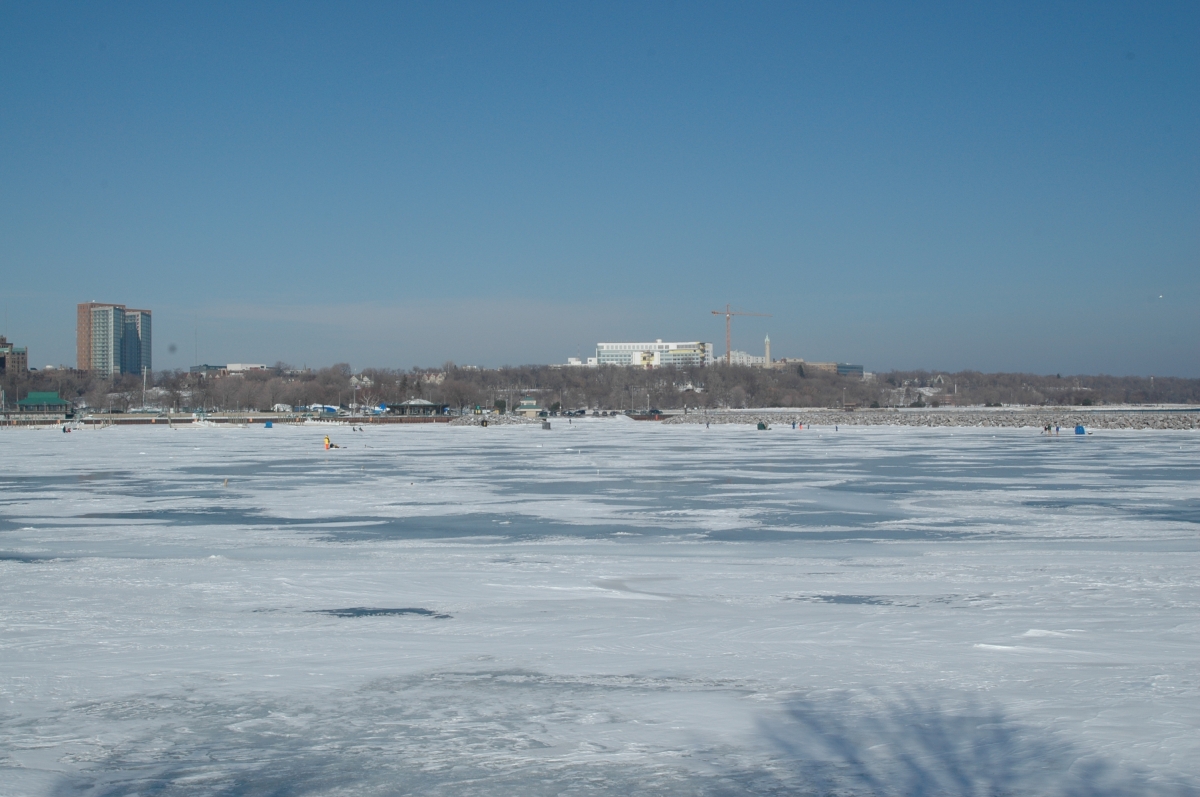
999,186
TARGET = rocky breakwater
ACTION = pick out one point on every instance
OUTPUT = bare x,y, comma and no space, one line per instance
1033,417
493,420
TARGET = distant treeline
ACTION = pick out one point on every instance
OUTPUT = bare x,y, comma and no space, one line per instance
610,388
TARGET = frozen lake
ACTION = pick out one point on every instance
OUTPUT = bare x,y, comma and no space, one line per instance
607,608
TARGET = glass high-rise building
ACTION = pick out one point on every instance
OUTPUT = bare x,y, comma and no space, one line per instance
135,348
112,339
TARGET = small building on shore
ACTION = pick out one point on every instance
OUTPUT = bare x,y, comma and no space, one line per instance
417,407
45,403
528,407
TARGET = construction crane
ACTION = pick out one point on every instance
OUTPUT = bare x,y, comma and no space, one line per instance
729,314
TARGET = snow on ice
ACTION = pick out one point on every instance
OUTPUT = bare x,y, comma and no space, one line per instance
608,607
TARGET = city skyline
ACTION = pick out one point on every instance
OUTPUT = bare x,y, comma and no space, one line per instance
934,186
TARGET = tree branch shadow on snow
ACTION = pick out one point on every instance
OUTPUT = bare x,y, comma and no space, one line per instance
901,744
862,744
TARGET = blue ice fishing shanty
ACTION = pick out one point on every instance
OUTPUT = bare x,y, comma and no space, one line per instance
1079,429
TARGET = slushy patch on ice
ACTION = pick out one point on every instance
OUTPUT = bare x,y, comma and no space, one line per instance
904,601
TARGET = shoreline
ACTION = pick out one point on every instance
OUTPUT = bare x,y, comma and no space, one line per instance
1134,418
1033,418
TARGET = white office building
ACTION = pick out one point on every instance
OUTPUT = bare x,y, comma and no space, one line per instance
742,358
658,354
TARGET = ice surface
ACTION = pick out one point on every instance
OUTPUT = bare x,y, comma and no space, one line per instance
608,607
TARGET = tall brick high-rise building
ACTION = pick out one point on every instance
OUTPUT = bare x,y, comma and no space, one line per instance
112,339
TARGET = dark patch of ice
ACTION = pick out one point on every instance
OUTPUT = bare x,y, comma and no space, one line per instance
58,480
907,601
216,516
370,611
7,556
853,600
